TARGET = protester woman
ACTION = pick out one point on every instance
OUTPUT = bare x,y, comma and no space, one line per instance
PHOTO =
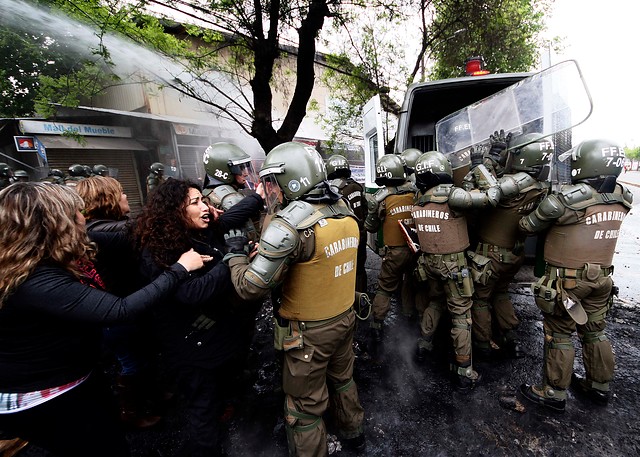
51,312
106,211
196,325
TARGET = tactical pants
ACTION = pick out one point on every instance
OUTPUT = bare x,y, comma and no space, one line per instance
320,369
397,262
597,354
443,289
492,305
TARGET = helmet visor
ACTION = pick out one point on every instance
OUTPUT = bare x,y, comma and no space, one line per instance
245,174
273,193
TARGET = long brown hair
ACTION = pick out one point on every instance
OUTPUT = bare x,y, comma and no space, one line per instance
101,195
39,224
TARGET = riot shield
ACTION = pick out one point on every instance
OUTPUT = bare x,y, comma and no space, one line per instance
546,103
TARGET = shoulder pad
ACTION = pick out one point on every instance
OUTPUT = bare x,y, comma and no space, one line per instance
460,198
383,193
627,195
340,183
407,187
576,196
514,184
224,196
278,240
550,208
296,212
338,209
441,193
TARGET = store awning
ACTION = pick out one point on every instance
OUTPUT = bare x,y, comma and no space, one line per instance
90,142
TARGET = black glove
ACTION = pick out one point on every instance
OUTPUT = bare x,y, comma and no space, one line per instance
477,154
498,147
236,242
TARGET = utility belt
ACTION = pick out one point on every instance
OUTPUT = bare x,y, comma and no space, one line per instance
556,288
589,272
455,263
505,255
287,333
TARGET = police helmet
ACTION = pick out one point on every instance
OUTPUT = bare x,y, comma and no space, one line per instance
77,170
390,170
433,168
5,171
529,153
21,175
410,156
157,168
100,170
338,167
296,168
56,172
87,170
595,159
224,160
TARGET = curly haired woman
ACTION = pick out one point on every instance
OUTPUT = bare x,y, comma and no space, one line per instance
196,326
51,313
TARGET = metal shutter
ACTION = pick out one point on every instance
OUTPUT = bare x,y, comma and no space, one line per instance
120,162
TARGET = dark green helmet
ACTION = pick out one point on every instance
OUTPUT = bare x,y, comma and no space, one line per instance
390,170
77,170
296,167
87,171
410,156
100,170
338,167
224,160
529,153
595,159
5,171
21,175
157,168
433,168
56,172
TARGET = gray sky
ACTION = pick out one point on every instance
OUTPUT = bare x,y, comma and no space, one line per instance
602,37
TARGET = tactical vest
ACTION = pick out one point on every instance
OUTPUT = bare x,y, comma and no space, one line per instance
499,225
592,237
323,286
398,208
353,193
439,230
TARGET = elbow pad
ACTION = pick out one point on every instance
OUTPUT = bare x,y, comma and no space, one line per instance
277,243
548,211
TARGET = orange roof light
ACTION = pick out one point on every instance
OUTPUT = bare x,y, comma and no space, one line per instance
475,66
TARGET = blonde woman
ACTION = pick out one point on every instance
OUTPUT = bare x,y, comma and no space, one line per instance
51,313
106,210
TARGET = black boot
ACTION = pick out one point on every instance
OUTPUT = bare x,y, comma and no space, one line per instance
585,388
464,377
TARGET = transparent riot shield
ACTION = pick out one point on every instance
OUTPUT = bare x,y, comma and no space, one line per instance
547,104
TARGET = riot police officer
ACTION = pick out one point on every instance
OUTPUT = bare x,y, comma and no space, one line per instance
438,215
230,177
21,176
6,175
55,176
155,177
583,221
389,205
339,172
100,170
77,172
410,157
500,250
308,249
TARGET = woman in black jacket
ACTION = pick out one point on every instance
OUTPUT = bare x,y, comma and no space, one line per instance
106,210
51,313
196,325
